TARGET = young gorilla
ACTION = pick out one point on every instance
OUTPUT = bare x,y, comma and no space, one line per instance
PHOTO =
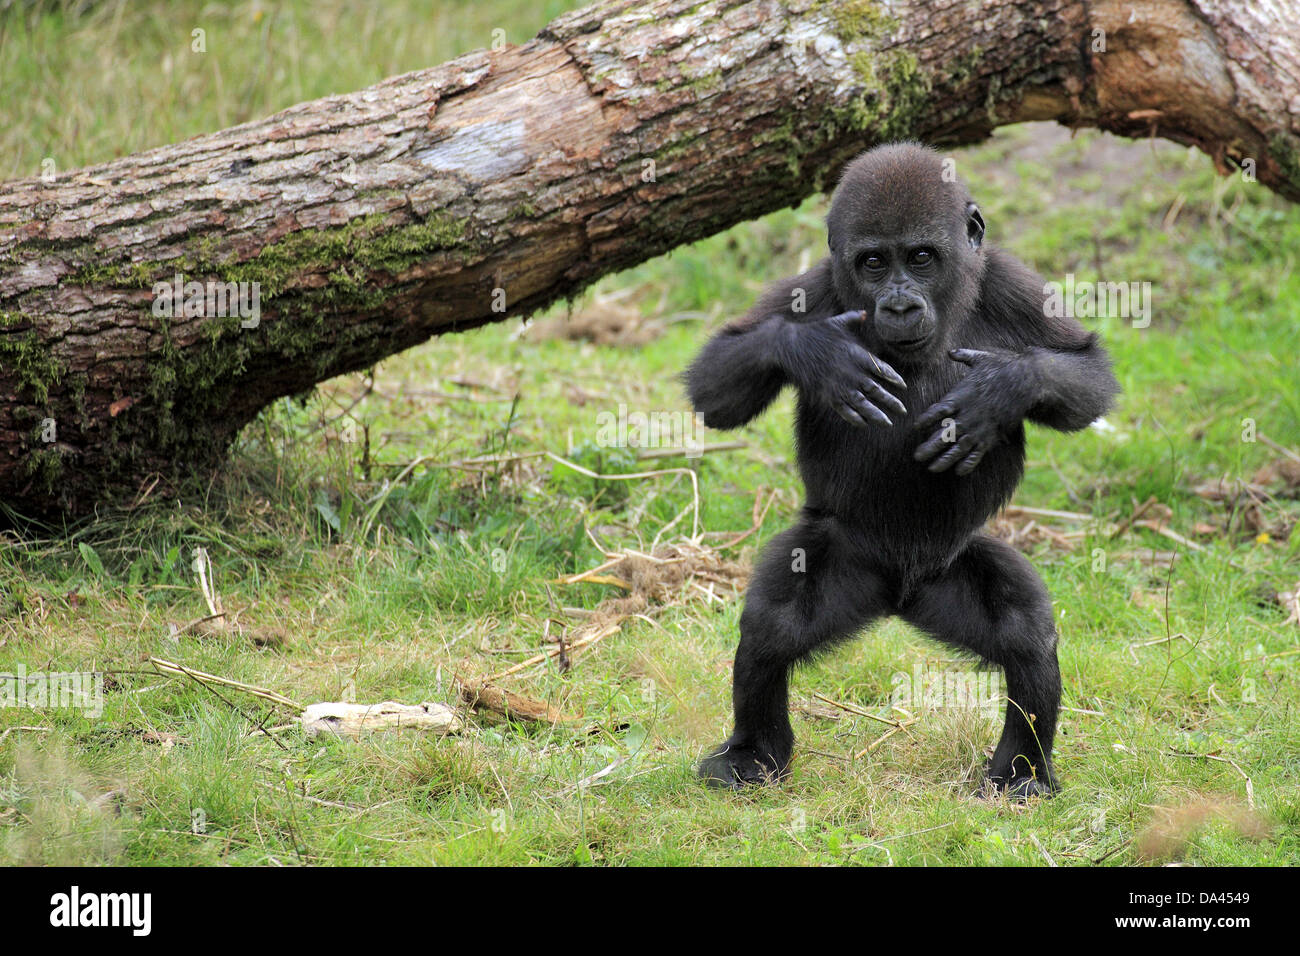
903,462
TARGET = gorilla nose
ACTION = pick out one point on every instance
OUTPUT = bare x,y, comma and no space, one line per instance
901,320
901,308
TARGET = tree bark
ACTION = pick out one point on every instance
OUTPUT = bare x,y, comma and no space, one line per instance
504,180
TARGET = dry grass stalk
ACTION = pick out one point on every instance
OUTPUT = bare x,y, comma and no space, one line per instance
180,670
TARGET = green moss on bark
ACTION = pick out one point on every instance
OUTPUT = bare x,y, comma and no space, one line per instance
43,468
858,19
1286,153
30,358
189,385
894,87
368,242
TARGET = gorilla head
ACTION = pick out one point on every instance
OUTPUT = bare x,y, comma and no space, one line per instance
905,243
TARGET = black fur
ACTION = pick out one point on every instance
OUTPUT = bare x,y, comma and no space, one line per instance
912,323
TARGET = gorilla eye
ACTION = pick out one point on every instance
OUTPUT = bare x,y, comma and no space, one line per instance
871,262
921,257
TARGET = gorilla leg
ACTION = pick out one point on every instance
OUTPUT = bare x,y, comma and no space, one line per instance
991,601
810,590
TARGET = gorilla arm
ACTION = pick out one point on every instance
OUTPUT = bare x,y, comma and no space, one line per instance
1073,384
744,366
1075,387
735,377
1033,366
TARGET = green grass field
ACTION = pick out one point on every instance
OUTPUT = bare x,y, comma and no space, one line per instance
344,573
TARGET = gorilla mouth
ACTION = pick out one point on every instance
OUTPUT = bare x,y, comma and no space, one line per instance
909,345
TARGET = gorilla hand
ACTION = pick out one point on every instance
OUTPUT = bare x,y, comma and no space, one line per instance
981,409
827,361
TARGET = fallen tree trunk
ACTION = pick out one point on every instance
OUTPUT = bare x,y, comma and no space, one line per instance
505,180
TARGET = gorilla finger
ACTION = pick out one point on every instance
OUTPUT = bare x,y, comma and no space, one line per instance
934,446
870,412
967,356
850,415
882,369
935,414
877,394
954,454
848,318
970,461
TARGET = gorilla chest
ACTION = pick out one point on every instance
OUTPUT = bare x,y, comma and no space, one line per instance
869,478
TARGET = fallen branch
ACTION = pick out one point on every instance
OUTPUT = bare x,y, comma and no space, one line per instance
352,720
481,695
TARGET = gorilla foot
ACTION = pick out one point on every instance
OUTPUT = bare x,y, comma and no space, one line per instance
734,767
1018,784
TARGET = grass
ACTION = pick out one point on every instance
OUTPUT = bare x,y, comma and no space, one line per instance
1184,679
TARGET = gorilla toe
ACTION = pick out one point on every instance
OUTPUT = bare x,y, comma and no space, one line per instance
1020,786
733,768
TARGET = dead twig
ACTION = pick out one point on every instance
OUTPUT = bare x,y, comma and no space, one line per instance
1250,784
1041,849
593,778
1015,511
180,670
871,747
639,475
1280,449
211,689
758,518
1159,528
650,453
1137,513
583,643
859,711
39,730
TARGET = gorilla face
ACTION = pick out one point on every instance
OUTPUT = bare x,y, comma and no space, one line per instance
911,261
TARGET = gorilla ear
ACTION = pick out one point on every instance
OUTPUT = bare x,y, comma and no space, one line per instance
974,225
